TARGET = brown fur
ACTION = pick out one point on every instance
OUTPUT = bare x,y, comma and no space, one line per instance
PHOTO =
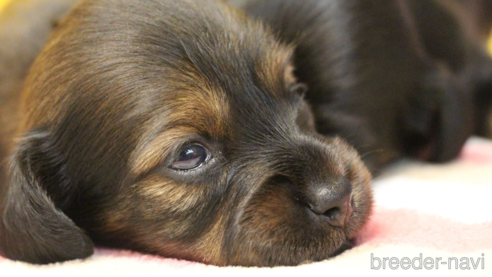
120,88
123,87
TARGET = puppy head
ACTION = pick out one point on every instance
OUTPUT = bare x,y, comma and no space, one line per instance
176,133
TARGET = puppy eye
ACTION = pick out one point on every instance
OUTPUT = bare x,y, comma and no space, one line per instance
299,88
191,157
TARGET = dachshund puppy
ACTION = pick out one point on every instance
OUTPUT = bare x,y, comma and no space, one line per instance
185,134
394,78
455,33
175,128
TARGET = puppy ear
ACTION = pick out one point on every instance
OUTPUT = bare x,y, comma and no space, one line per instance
481,80
438,117
32,228
455,116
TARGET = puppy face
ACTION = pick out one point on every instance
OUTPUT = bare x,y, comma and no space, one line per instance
177,133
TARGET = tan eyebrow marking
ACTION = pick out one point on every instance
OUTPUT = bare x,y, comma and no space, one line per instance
289,76
277,69
153,153
202,109
194,111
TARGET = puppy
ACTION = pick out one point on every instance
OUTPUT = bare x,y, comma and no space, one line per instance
455,33
394,78
379,75
175,128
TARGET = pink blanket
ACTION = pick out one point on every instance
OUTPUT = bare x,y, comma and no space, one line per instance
428,219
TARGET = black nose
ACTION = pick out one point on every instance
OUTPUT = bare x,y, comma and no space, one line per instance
332,199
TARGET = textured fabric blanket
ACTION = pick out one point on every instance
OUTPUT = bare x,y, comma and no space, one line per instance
433,220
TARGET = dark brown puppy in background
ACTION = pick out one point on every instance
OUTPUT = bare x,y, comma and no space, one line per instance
174,128
393,77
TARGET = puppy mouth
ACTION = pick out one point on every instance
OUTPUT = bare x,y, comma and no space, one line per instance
346,245
294,234
308,212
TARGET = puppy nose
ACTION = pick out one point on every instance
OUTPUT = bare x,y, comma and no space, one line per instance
331,200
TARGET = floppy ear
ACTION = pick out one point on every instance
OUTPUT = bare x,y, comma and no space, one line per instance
455,115
438,117
32,228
